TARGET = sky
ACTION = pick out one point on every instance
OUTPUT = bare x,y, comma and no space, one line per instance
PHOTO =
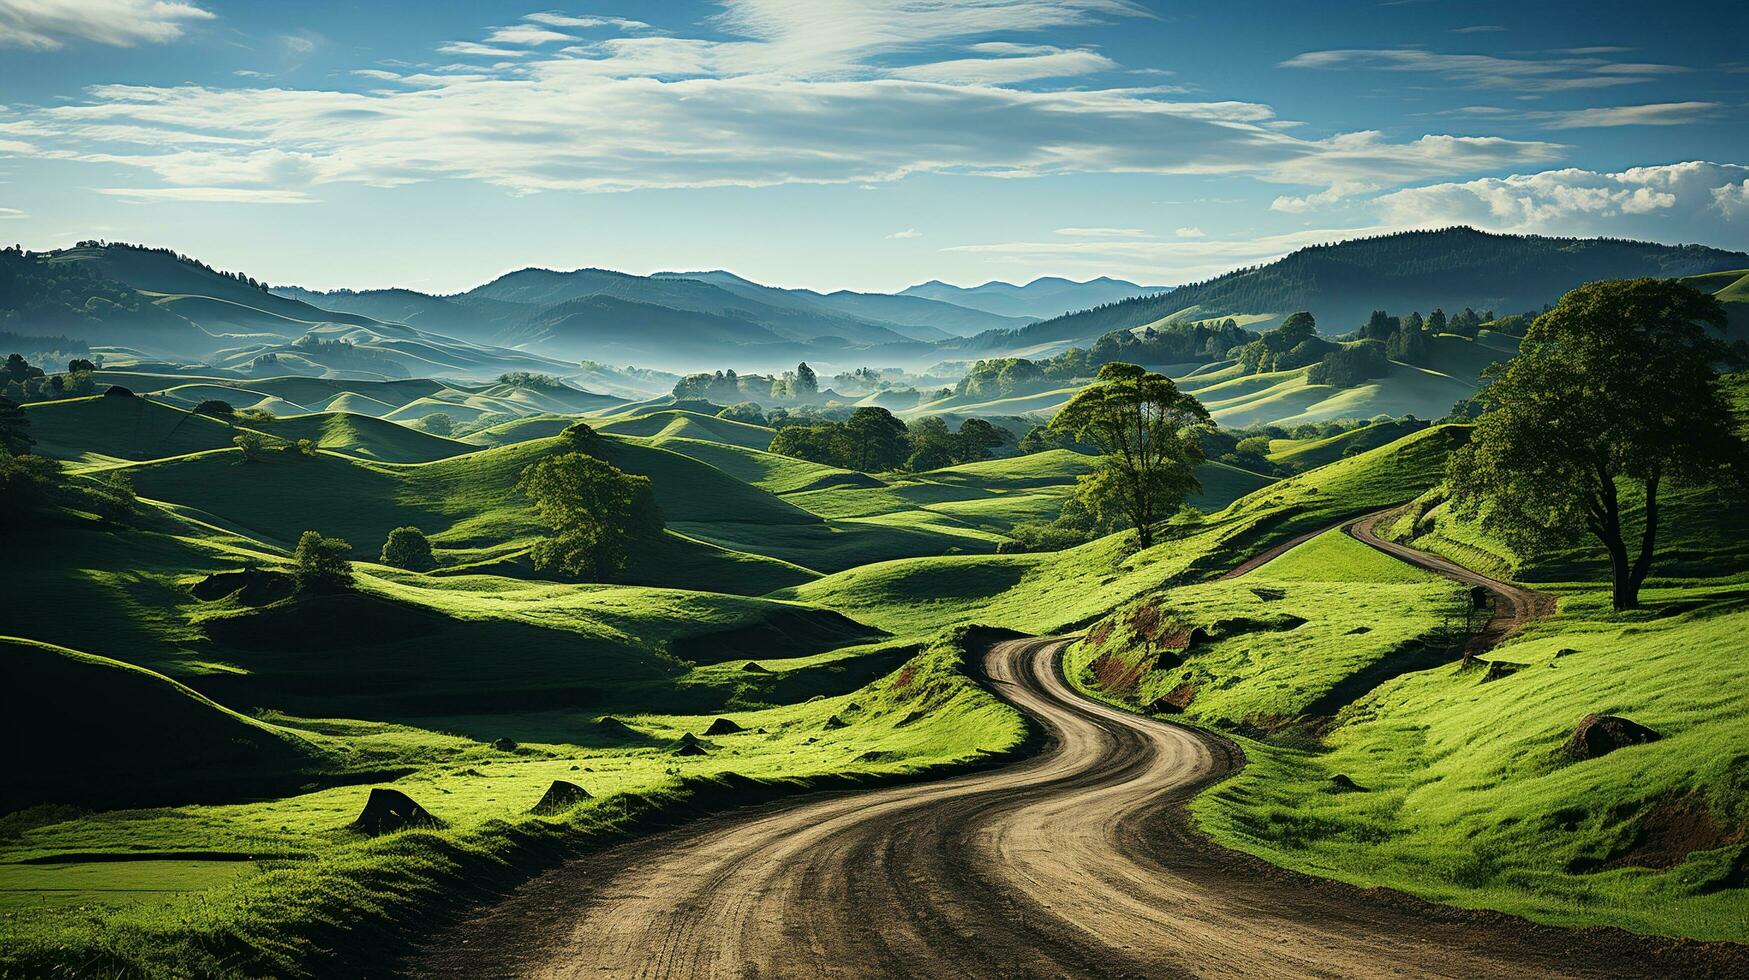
857,144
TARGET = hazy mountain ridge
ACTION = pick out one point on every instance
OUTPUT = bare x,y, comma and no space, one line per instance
1042,298
1341,283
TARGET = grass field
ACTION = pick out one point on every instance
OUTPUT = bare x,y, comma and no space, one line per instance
202,737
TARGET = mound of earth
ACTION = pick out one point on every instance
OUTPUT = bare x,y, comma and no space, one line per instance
389,810
322,622
753,667
723,726
249,586
1173,702
794,632
559,797
833,723
1599,735
691,748
614,728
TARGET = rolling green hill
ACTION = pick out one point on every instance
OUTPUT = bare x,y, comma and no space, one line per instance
103,732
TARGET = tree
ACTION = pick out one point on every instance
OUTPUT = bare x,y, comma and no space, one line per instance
875,439
1148,431
976,438
216,408
748,412
14,438
320,564
932,445
307,448
80,364
1613,390
437,423
253,445
409,548
1040,438
595,514
806,383
1436,321
580,436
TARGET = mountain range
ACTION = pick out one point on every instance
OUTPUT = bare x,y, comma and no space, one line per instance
153,303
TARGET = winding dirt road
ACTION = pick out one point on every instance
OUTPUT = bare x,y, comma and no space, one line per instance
1075,862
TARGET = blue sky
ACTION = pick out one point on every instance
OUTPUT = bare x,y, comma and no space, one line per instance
865,144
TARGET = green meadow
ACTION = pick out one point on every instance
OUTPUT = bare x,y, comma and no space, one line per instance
203,736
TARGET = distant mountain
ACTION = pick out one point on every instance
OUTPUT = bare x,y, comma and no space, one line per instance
1417,270
915,316
1047,297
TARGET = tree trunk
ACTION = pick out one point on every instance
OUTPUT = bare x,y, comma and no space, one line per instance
1608,530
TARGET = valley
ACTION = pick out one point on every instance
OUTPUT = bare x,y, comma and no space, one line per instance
320,673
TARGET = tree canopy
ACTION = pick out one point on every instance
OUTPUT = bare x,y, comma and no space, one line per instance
595,513
1613,395
409,548
1147,430
320,564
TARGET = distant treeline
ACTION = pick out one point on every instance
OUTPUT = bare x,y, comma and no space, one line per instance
1178,343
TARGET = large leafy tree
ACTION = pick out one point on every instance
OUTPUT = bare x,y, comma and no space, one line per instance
320,565
1612,397
14,428
875,439
596,514
1148,432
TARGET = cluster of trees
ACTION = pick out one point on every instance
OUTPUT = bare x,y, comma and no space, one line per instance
63,294
1293,344
1350,364
1006,377
727,387
345,354
528,379
1410,339
239,277
21,381
874,440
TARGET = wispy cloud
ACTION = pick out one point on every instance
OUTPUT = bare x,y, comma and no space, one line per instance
1654,114
1179,261
1567,71
11,214
209,195
1478,29
1191,232
1103,233
907,233
50,24
526,34
555,19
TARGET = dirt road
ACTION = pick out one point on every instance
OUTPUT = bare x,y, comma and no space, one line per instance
1076,862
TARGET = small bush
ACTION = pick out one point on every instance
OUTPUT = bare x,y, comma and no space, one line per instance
409,548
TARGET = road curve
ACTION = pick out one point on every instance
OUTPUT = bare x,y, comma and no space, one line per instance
1076,862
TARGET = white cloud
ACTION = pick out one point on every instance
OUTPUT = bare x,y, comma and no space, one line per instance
1577,69
1653,114
1191,232
1694,201
479,50
209,195
1049,63
526,34
1732,199
555,19
50,24
11,214
783,106
907,233
298,44
1103,233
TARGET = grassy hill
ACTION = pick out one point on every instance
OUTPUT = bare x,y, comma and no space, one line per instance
1341,283
103,732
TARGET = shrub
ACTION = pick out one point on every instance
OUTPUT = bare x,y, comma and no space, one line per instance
217,409
438,424
409,548
253,446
